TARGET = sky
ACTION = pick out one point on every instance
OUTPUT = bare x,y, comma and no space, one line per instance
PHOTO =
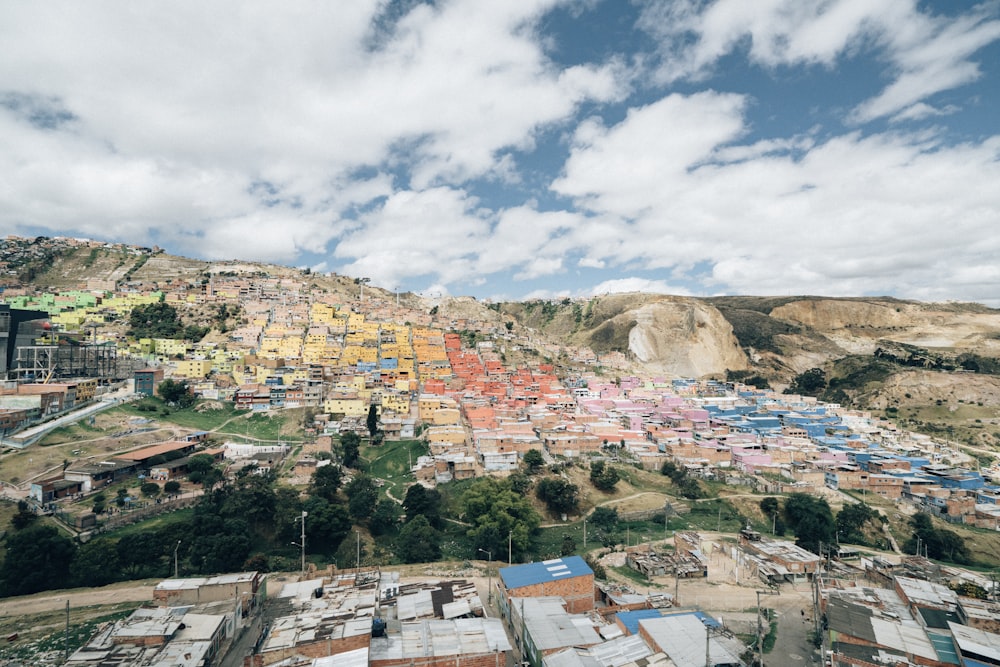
520,149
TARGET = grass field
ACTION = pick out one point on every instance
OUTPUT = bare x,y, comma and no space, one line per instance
392,462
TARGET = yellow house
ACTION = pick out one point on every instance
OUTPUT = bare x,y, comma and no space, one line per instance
193,368
169,347
348,406
400,404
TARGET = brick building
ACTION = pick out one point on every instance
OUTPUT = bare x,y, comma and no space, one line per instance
569,578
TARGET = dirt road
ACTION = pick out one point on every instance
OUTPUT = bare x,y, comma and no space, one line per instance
129,591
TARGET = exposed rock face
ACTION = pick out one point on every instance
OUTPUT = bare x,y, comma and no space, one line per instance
858,326
684,337
926,387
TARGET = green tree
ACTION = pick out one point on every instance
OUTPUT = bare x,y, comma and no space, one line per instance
519,482
418,542
603,477
326,481
811,520
24,517
533,460
568,545
810,383
362,494
350,444
851,521
150,489
421,501
372,421
155,320
496,513
385,518
173,486
559,495
604,518
96,564
38,558
140,555
326,526
176,392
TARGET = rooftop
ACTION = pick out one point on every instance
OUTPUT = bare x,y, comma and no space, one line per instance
528,574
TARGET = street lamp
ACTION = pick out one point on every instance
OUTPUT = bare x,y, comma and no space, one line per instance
362,282
489,575
176,546
302,540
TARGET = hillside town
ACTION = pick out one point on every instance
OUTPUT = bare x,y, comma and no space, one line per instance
483,393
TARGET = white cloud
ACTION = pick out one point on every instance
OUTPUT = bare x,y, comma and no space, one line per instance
926,54
851,215
919,111
624,285
178,111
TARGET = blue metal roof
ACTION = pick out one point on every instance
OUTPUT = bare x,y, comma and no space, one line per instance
528,574
630,619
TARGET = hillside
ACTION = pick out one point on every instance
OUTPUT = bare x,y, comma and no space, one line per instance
884,353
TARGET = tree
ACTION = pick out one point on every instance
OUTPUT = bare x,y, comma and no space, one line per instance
38,558
559,495
176,392
326,481
155,320
497,514
811,520
362,494
326,526
24,517
533,460
519,482
810,383
603,477
173,486
372,421
851,521
385,517
200,468
604,518
95,564
418,542
421,501
568,545
150,489
350,444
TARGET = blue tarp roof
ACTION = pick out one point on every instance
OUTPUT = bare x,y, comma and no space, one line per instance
529,574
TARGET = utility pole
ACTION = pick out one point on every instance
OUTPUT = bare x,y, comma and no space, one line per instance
358,562
760,627
66,635
303,542
489,575
176,546
510,543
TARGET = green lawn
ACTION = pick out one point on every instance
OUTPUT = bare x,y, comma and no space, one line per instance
392,462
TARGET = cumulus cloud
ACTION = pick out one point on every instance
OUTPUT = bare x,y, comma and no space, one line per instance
925,54
849,215
165,122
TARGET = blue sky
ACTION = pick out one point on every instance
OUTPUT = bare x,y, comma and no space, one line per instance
523,149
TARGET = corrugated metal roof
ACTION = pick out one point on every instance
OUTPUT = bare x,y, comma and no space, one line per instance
682,638
356,658
529,574
979,642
